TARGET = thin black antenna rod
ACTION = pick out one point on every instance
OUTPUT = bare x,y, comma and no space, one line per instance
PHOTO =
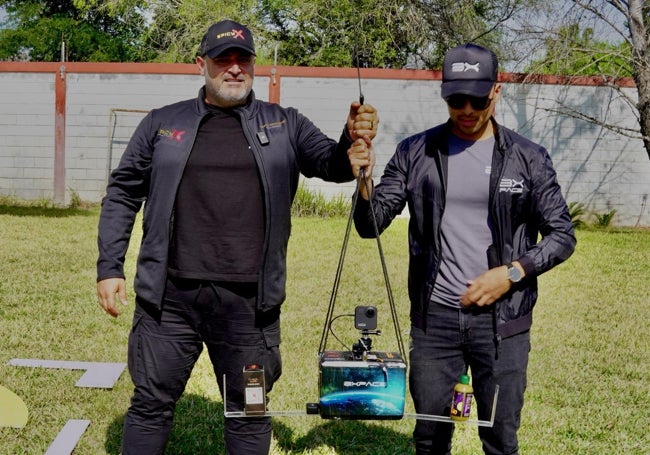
356,55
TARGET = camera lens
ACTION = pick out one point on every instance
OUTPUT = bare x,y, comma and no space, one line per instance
370,312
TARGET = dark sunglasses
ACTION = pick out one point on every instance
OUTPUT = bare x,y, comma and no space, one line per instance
477,103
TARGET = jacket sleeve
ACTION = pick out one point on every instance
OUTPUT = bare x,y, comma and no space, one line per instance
126,191
553,220
320,156
388,197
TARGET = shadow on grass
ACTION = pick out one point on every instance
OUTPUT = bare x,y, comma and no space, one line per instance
198,430
346,437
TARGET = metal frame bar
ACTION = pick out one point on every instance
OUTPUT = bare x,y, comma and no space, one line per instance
436,418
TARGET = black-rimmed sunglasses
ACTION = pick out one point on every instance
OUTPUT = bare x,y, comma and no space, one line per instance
477,103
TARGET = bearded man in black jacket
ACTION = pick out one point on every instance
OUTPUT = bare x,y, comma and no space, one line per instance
217,176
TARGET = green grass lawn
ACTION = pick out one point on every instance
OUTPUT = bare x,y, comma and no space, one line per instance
588,385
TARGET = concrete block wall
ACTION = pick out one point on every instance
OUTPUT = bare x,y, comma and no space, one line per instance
596,167
604,170
27,137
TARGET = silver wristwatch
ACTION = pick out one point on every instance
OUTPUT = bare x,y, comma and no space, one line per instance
514,275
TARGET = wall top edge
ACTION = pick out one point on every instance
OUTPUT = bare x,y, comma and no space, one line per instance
300,71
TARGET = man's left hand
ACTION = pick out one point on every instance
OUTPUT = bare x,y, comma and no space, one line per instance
486,288
362,121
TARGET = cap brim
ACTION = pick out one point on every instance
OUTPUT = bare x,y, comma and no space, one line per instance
466,87
216,51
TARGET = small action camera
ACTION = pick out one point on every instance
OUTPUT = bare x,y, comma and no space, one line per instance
365,317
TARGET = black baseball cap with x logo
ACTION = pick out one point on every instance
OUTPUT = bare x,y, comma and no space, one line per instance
225,35
469,69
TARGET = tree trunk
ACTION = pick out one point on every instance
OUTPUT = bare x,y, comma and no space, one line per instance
639,37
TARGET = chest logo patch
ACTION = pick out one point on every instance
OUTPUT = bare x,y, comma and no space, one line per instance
511,186
173,134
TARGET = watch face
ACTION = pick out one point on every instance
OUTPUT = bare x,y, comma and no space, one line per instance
514,274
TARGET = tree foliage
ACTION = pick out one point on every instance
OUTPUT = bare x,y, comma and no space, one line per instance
604,38
336,32
441,24
35,29
177,26
387,33
374,33
575,51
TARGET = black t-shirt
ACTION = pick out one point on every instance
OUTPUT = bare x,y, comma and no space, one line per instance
218,224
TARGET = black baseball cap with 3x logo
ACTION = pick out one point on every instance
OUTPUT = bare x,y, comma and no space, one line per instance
225,35
469,69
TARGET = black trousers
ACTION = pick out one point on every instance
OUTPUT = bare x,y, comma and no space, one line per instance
455,340
165,344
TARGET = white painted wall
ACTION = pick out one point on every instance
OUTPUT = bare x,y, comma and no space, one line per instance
603,170
27,135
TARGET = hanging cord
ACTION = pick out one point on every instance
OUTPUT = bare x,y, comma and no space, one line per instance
339,270
389,290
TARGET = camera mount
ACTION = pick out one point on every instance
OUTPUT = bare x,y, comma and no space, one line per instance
363,346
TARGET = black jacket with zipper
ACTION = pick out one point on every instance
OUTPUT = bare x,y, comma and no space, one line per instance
284,144
525,201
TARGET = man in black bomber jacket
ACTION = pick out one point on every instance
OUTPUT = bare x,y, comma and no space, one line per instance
217,176
478,196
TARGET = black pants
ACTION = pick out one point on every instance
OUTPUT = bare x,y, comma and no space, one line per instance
455,340
165,344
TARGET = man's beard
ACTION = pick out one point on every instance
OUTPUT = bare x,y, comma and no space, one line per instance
231,98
